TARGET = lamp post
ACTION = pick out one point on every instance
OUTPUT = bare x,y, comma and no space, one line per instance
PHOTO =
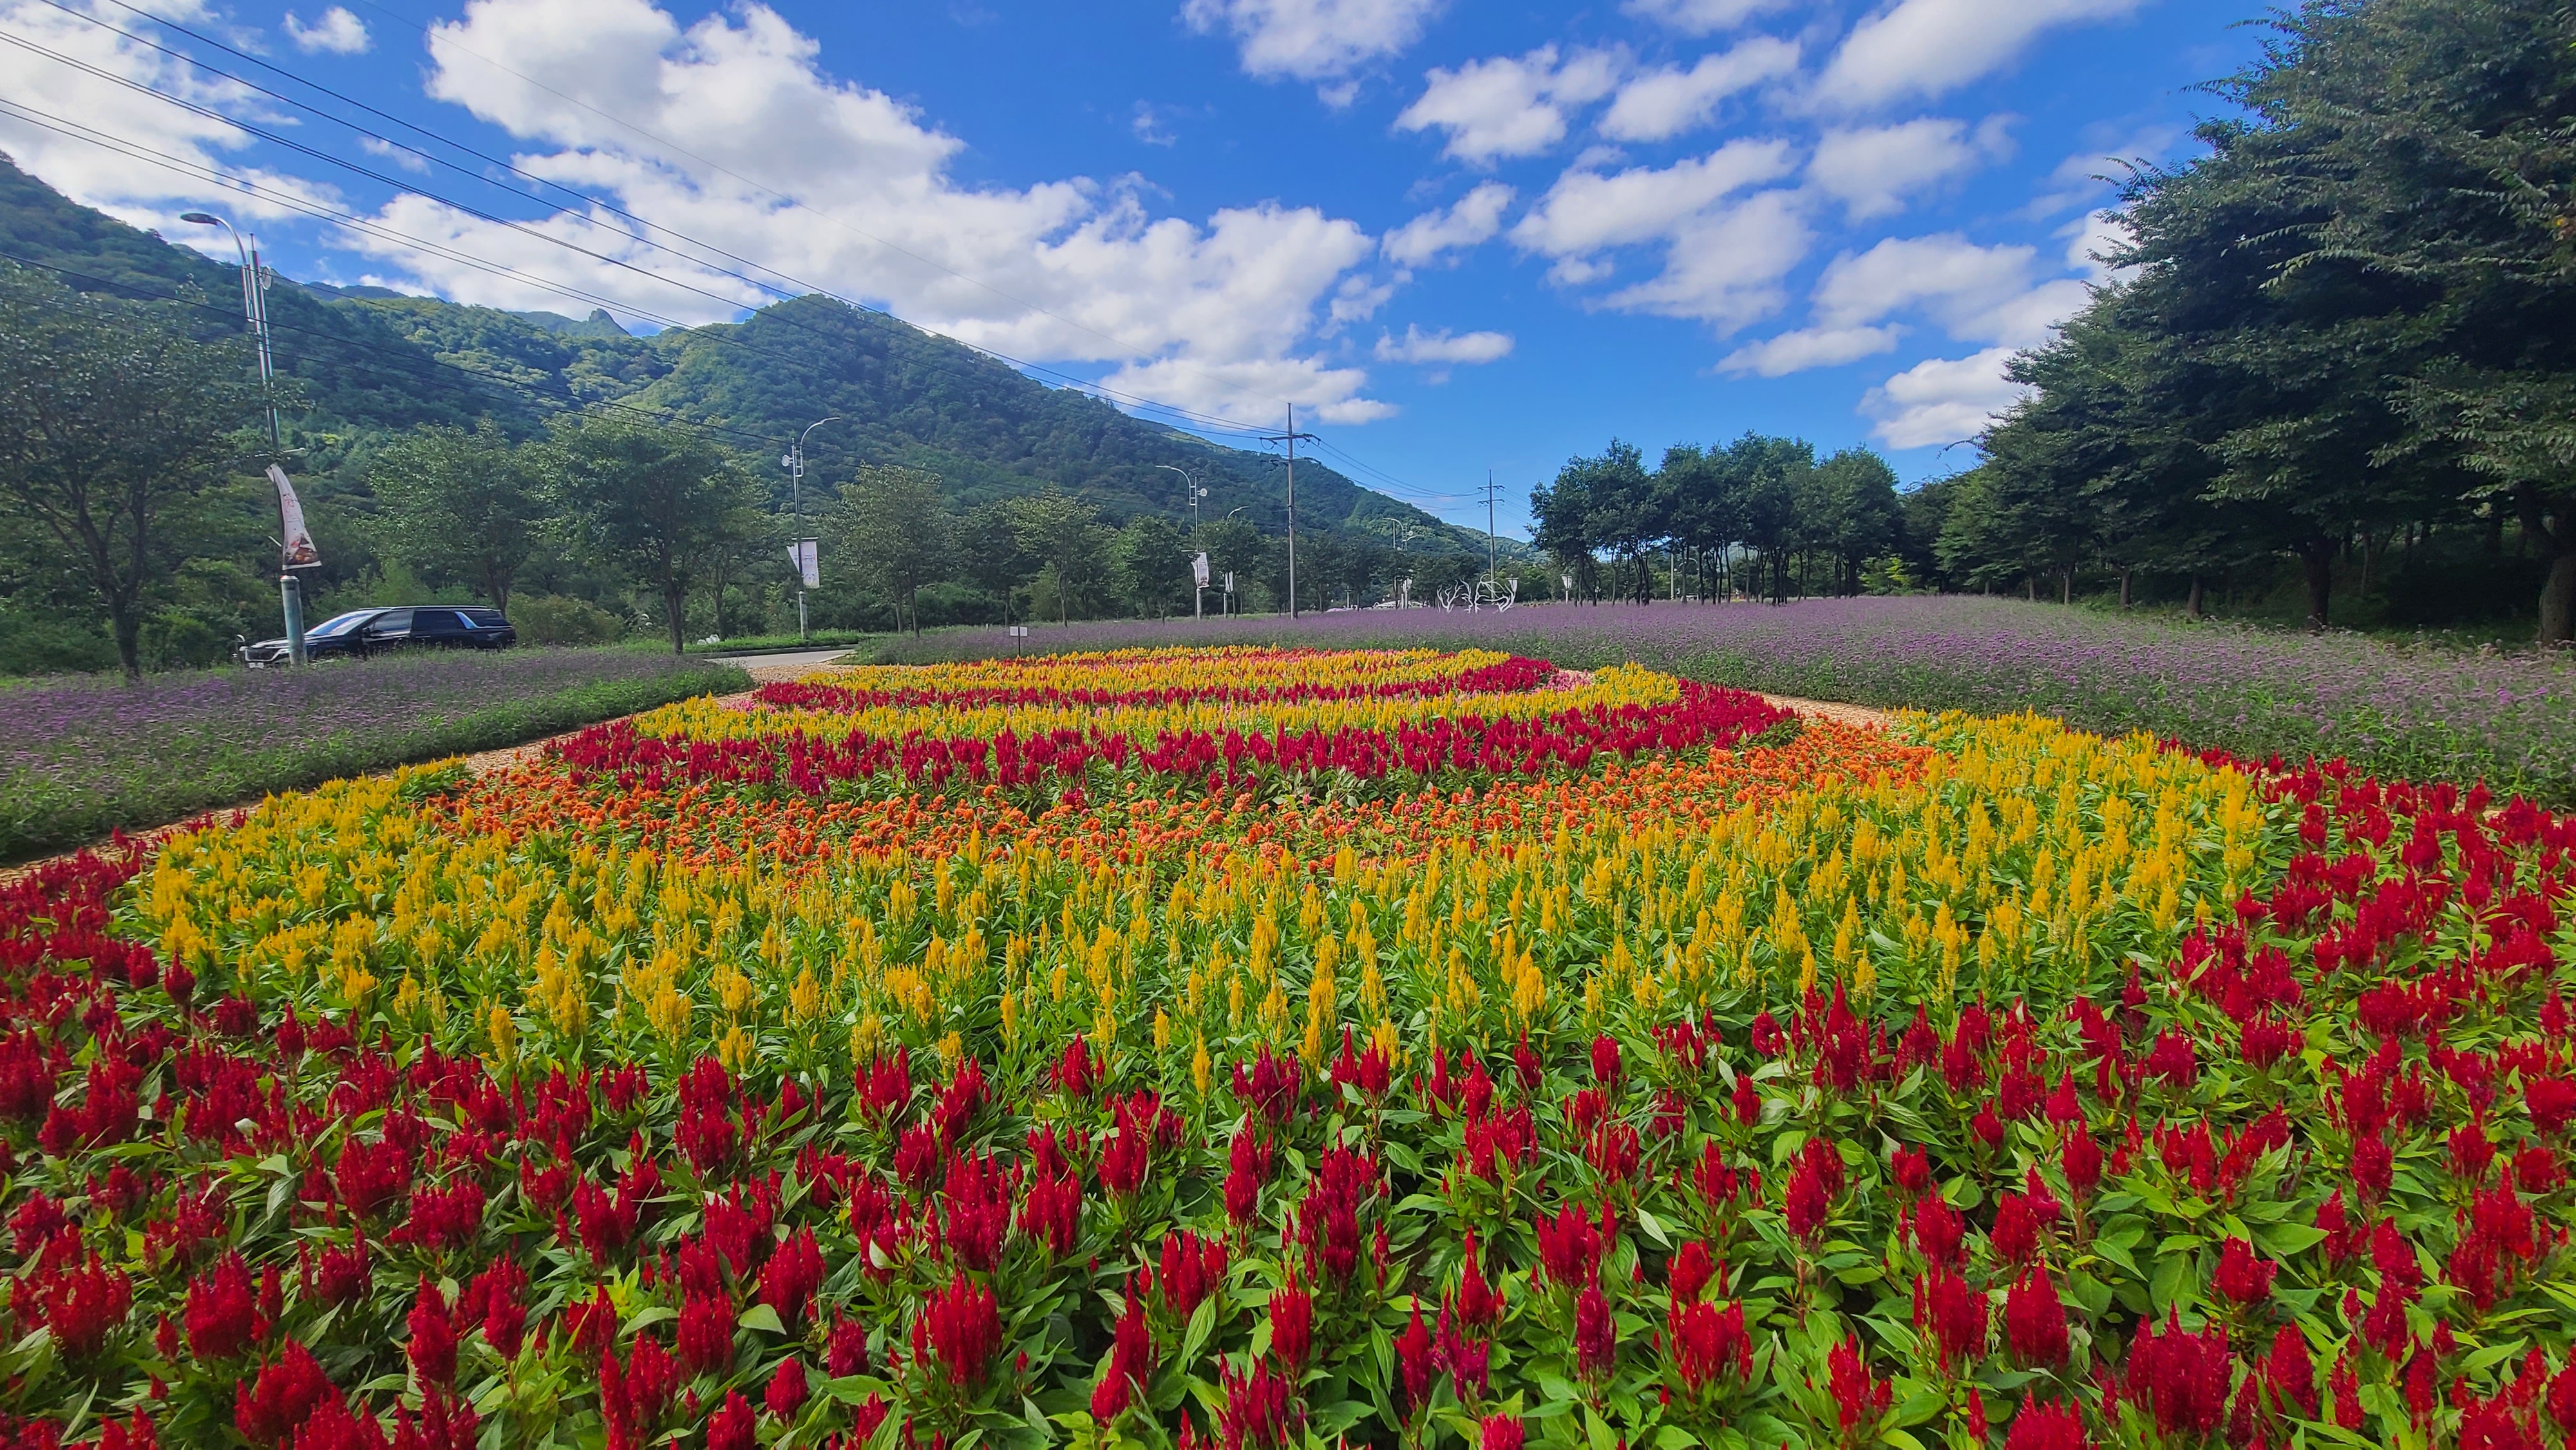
1190,486
795,461
291,522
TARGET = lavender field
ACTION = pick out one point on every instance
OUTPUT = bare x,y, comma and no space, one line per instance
2419,712
85,755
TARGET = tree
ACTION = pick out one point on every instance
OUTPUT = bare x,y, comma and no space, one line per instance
112,421
659,503
1063,533
461,505
891,528
1149,562
1860,521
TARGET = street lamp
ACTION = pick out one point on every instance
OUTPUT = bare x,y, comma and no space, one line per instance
1190,486
295,546
797,548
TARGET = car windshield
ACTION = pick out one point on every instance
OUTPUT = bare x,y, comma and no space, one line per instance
341,623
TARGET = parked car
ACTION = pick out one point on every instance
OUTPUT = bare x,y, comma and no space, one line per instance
363,632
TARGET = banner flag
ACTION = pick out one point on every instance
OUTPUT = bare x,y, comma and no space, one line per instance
299,551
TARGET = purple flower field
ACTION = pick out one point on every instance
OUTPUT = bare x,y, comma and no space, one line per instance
2415,712
81,756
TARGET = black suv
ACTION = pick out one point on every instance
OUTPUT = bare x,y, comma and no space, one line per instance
377,631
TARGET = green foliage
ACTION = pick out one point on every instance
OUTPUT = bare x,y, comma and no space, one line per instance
558,619
114,422
1149,563
2354,319
663,506
461,504
894,533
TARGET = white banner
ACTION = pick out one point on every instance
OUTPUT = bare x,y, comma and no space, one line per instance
298,551
807,556
1199,571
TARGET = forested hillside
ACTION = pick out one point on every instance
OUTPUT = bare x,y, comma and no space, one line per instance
368,368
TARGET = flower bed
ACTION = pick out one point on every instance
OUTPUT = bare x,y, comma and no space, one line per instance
88,756
1983,1083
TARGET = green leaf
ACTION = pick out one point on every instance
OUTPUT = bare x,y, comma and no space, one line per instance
1597,1432
761,1317
1647,1221
1202,1323
2284,1240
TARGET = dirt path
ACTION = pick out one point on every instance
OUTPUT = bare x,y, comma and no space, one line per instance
482,762
1861,715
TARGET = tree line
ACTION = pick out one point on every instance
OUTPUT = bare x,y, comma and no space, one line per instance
1761,517
2345,339
130,496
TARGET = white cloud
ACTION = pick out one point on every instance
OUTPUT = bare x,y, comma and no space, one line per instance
1509,105
1667,102
408,160
2097,235
850,189
1974,293
1586,211
1810,347
1313,40
1699,17
338,32
1724,268
1942,400
2078,179
1471,223
1930,47
1147,126
122,183
1465,348
1872,169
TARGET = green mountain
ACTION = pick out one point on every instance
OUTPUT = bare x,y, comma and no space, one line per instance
371,363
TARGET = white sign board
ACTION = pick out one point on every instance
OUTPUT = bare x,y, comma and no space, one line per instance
807,556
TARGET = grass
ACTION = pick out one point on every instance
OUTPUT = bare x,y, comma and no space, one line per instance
88,755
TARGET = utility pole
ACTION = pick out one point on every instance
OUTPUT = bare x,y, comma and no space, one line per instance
1493,491
295,545
797,547
1290,438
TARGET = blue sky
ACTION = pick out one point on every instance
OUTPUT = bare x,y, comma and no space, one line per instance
1459,237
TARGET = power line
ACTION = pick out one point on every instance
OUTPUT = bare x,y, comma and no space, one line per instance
1193,421
1202,422
659,415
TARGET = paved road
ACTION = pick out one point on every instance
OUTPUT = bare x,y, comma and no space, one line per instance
811,659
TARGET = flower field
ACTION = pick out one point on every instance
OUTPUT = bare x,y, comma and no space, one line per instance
1259,1048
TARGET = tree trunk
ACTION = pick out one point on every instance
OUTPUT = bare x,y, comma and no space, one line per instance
2369,547
2198,598
127,625
2558,551
2125,571
2318,554
2030,587
2066,586
675,600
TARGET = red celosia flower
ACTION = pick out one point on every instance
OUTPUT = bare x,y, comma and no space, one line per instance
497,1297
1073,1073
1707,1340
81,1303
1271,1088
787,1389
1501,1432
977,1198
793,1273
1416,1363
2182,1378
1479,1303
432,1350
2240,1276
733,1426
1191,1268
2047,1425
1939,1231
1596,1343
2081,1160
1247,1168
282,1398
1690,1271
1292,1324
846,1352
1859,1397
1569,1249
2035,1321
1258,1409
1911,1170
1606,1069
222,1319
706,1332
1328,1220
960,1325
1952,1314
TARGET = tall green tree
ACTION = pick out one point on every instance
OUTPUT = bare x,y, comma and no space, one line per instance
895,534
660,504
461,505
1064,534
1149,562
114,423
1860,519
